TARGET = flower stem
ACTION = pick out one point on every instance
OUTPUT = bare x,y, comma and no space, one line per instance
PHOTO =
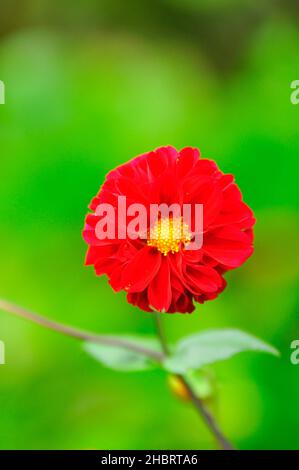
115,341
161,333
197,402
76,333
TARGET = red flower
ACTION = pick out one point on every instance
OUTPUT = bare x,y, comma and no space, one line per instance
158,271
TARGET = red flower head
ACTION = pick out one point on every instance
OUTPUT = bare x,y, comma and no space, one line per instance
159,264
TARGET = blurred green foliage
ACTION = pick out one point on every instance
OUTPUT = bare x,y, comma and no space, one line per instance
88,86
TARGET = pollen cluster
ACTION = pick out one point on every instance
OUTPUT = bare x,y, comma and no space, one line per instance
169,234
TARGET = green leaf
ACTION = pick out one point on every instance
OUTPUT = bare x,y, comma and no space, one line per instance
123,358
207,347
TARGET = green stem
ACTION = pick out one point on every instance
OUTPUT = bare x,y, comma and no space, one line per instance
197,402
76,333
115,341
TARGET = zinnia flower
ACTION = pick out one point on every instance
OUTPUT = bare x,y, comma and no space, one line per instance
158,271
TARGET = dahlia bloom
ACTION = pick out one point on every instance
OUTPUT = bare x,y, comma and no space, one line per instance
157,270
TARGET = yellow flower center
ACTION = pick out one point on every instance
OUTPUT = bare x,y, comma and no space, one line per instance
169,234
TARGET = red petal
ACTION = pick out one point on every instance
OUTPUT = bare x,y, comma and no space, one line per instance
202,279
159,290
141,270
139,299
94,253
186,160
228,245
157,164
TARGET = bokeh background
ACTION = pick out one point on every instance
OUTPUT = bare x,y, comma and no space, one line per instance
90,84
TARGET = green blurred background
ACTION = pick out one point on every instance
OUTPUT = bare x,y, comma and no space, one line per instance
89,85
